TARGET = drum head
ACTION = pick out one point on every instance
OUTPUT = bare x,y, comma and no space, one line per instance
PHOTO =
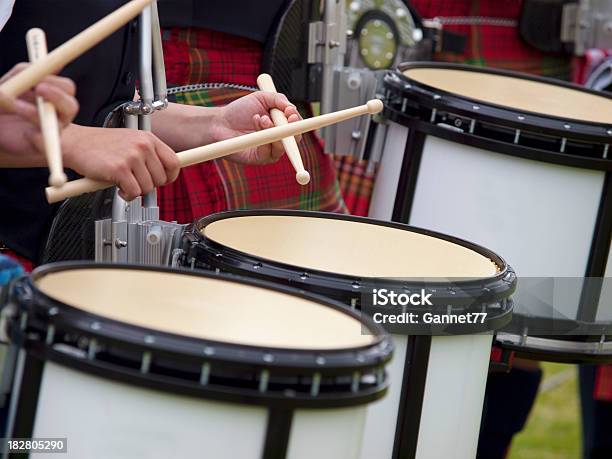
205,308
518,93
346,247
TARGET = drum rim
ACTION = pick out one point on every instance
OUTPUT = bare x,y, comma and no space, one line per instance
43,270
492,293
29,328
547,348
493,128
402,67
201,223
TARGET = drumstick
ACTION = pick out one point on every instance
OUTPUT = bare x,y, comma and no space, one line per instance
71,49
37,49
265,83
227,147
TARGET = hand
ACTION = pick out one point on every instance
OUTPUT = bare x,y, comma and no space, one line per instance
57,90
251,113
137,161
21,142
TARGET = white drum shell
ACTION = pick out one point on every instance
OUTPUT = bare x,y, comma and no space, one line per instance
540,216
381,419
103,418
525,210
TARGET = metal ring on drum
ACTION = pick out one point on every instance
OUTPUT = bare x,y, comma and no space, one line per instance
138,361
437,387
522,165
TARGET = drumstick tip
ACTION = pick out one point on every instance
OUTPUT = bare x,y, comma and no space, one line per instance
58,179
263,79
302,177
375,106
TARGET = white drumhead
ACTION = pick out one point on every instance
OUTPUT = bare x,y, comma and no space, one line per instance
205,308
348,247
517,93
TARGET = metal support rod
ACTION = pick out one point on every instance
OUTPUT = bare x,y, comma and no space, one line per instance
333,54
146,84
160,88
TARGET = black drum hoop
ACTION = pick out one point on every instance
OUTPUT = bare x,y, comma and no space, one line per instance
508,73
493,127
496,146
557,348
202,252
51,331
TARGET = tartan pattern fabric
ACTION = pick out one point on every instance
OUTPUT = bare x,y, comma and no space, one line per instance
356,180
493,45
222,185
196,55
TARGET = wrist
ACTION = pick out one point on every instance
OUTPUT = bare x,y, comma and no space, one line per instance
185,126
217,125
70,143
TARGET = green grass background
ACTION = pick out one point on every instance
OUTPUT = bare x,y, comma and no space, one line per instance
553,427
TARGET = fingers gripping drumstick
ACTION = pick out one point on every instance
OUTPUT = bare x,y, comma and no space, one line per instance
37,49
71,49
265,83
227,147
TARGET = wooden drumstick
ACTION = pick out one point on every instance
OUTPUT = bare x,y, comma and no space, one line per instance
227,147
71,49
37,49
265,83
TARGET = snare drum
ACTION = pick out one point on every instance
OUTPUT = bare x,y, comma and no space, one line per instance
437,384
523,165
128,361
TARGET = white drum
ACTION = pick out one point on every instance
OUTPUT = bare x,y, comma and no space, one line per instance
345,258
127,362
522,165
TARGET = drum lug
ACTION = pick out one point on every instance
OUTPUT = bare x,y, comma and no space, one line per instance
316,384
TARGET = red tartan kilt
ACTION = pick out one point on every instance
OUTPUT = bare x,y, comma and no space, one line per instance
202,56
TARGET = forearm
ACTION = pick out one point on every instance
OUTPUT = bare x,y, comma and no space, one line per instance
185,126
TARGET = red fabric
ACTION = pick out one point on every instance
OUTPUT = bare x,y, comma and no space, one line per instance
197,192
493,45
497,355
356,179
603,383
584,66
198,55
203,56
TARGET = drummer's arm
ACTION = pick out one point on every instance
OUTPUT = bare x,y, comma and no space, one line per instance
186,126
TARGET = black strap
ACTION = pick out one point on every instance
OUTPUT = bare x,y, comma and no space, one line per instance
277,433
444,40
540,24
